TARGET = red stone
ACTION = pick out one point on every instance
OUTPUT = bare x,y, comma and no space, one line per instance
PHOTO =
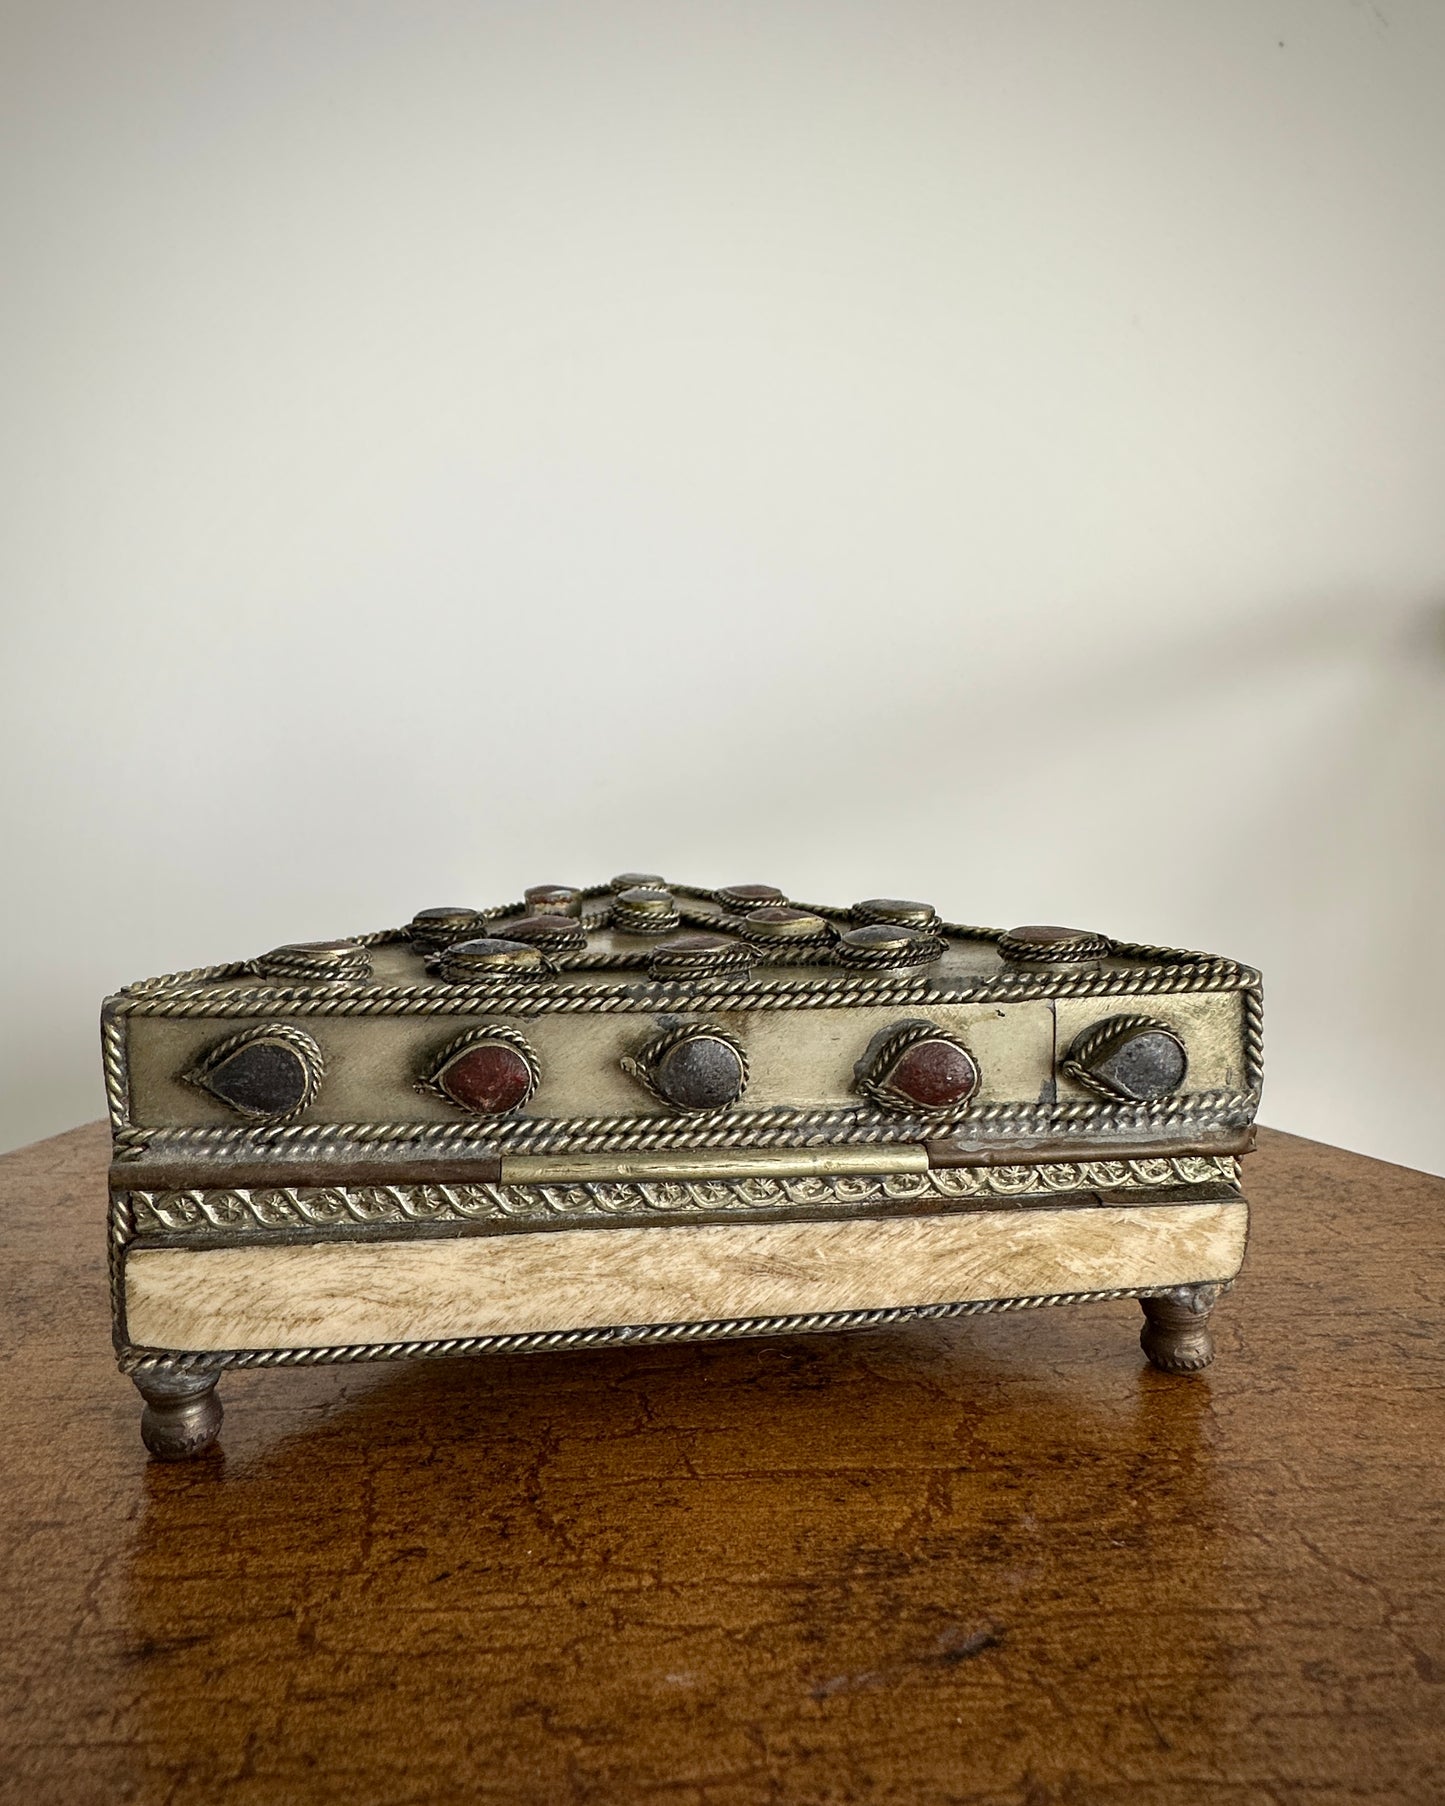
488,1079
935,1074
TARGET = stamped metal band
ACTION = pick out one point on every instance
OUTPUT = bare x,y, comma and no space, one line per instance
216,1213
724,1164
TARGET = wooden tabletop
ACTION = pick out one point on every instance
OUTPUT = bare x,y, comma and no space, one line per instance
997,1560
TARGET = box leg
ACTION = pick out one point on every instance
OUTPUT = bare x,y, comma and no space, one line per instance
1176,1334
182,1415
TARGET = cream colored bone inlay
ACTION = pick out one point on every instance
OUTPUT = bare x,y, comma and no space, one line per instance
347,1294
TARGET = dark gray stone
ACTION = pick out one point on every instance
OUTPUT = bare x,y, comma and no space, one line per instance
266,1078
701,1074
1148,1065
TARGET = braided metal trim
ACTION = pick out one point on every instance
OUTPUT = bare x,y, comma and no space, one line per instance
200,975
120,1232
741,1129
135,1360
1254,1036
519,997
113,1060
720,920
246,1212
594,960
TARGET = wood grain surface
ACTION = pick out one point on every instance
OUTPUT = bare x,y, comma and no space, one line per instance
997,1560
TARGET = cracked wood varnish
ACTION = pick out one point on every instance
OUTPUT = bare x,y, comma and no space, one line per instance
997,1560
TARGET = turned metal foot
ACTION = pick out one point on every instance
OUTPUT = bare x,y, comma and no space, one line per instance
182,1415
1176,1334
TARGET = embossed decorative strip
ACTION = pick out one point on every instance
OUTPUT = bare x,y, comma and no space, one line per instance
255,1211
1200,1111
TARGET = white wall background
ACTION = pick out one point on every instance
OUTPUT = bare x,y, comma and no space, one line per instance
989,452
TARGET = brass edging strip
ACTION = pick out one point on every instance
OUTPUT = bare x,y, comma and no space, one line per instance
721,1163
713,1163
1077,1149
202,1174
878,1209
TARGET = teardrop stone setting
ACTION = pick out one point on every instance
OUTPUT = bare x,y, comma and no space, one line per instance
488,1079
262,1078
939,1075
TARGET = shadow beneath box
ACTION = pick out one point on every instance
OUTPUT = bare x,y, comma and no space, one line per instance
539,1575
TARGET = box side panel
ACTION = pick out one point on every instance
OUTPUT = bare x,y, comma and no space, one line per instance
333,1295
797,1058
373,1063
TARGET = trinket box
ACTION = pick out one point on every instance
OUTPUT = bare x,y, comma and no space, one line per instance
646,1112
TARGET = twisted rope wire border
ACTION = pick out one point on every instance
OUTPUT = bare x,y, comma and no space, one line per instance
136,1360
115,1066
1254,1037
120,1233
603,1134
546,997
376,937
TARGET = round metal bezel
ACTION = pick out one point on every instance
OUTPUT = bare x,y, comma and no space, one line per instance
727,956
452,963
432,931
1082,944
627,917
316,962
857,949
